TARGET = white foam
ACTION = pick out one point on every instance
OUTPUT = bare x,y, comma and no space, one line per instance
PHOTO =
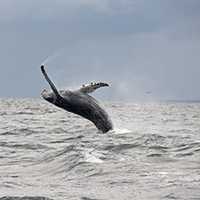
92,157
120,131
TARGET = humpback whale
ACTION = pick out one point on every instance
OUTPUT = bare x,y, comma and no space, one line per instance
79,102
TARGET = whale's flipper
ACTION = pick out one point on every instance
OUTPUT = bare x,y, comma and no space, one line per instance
92,87
53,87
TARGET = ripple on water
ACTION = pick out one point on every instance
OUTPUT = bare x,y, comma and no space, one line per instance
46,151
24,198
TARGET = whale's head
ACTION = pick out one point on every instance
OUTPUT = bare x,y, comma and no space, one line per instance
48,96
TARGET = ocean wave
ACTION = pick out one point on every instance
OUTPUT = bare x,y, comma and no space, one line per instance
24,198
61,156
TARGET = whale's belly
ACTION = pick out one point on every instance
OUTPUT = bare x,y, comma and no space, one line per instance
87,107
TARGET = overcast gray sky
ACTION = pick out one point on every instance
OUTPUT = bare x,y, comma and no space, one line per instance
146,49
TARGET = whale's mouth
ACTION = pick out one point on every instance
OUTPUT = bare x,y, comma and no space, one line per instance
48,96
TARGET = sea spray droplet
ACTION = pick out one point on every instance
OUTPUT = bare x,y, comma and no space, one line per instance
52,57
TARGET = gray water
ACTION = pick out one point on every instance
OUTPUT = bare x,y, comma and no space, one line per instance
47,153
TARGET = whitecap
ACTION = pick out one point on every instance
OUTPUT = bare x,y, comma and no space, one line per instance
120,131
92,157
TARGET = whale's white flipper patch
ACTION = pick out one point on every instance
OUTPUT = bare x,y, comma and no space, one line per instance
92,87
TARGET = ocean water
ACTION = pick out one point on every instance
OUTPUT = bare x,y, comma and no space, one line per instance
47,153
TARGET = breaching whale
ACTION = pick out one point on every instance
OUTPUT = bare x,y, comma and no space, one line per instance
79,102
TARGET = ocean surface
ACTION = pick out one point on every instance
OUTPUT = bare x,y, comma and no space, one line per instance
47,153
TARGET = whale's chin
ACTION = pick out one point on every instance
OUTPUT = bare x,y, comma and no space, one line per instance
48,96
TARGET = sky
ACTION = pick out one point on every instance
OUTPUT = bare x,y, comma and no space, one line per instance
145,49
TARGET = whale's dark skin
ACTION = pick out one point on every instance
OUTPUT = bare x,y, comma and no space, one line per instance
79,102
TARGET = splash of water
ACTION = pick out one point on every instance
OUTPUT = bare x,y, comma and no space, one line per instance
120,131
52,57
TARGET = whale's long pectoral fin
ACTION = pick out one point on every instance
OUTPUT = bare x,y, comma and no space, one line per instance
92,87
53,87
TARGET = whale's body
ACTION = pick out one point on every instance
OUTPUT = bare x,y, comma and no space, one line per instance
80,103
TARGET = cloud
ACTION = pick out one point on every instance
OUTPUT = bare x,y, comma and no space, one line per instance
137,46
50,9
